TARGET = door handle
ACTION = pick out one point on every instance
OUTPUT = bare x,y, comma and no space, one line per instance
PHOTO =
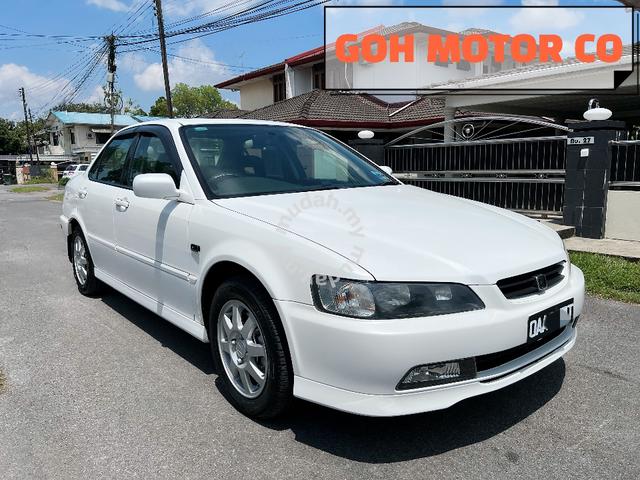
82,193
122,203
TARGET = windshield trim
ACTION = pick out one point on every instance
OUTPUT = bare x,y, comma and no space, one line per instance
211,196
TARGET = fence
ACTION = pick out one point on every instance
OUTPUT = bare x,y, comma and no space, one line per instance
625,164
44,159
522,174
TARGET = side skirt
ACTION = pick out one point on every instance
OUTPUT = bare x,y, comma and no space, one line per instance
185,323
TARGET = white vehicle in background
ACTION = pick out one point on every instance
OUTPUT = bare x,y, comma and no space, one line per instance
314,273
73,170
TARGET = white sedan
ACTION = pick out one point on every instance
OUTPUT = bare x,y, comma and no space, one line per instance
313,273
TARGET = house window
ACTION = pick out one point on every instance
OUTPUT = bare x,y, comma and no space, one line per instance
279,88
318,76
72,136
55,139
102,138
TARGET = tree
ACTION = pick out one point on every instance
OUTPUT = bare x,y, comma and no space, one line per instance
95,107
192,102
11,138
159,109
132,108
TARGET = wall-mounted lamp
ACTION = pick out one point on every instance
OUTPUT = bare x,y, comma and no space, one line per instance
596,112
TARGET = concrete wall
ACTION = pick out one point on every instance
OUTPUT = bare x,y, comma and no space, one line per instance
302,80
256,94
623,215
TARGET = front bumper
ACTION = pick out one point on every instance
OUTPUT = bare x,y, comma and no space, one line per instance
355,365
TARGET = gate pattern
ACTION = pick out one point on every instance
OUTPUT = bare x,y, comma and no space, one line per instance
499,167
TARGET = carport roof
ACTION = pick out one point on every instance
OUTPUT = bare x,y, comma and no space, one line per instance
322,108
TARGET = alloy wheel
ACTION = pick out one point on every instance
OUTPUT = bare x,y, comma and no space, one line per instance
80,263
242,349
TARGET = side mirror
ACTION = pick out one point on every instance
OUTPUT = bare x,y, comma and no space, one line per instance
155,185
386,169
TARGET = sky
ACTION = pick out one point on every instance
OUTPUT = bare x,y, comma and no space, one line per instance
44,67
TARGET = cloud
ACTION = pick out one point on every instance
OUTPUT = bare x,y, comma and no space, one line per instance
533,19
182,9
113,5
96,96
39,89
197,70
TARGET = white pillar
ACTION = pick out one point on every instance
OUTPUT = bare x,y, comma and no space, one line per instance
449,132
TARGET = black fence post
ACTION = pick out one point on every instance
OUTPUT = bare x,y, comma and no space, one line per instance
587,176
373,149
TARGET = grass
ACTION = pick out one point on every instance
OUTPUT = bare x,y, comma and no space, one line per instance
609,277
29,189
58,197
36,180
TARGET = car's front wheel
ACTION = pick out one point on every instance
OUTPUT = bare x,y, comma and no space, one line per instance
87,283
248,347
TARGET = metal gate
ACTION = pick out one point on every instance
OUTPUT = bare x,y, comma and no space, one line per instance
625,164
487,159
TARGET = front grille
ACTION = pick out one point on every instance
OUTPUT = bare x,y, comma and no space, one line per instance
492,360
526,284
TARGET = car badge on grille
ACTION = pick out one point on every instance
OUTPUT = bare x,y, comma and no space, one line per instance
541,282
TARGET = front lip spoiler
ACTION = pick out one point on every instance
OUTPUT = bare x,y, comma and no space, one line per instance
512,366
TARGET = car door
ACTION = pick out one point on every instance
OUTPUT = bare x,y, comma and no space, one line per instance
152,235
97,201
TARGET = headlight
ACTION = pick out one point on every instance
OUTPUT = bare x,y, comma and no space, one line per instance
379,300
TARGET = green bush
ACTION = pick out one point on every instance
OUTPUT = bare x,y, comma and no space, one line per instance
63,181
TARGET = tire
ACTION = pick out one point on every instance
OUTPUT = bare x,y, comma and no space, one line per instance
233,349
83,270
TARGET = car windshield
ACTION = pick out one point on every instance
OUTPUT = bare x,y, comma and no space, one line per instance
242,160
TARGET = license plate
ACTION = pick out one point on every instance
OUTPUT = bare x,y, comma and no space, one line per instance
548,321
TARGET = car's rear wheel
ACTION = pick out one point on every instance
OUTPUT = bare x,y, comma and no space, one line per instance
248,348
87,283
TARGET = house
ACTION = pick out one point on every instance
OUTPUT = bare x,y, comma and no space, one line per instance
83,134
305,72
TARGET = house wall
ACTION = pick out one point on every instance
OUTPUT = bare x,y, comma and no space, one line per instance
256,94
623,222
402,74
302,80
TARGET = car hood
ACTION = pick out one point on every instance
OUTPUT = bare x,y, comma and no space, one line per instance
406,233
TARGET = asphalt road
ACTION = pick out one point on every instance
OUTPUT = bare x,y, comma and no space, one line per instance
101,388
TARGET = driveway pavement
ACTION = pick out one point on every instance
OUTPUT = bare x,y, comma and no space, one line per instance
101,388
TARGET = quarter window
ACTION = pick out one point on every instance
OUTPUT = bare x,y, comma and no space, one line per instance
109,167
152,157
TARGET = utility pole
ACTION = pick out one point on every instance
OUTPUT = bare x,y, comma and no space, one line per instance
26,122
163,52
111,77
34,139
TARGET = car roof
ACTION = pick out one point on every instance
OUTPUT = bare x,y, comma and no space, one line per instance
179,122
